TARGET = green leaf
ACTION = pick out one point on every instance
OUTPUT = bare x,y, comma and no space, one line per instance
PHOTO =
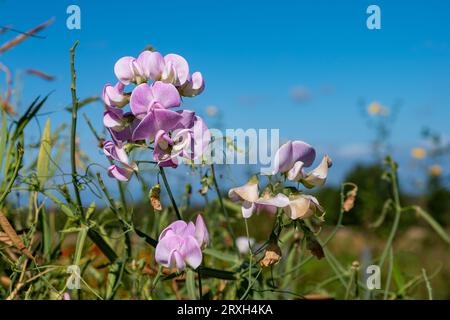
104,246
221,255
398,276
43,161
433,223
90,210
80,245
218,274
190,284
64,207
146,237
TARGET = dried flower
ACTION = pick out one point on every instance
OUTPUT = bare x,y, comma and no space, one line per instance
272,255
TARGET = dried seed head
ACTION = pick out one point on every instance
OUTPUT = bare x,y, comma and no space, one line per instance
314,246
350,198
272,255
155,200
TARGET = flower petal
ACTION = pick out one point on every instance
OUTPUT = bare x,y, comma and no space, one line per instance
180,66
141,99
151,64
247,192
166,247
296,172
201,232
318,176
247,209
191,252
279,201
290,153
165,94
194,86
176,260
178,227
124,70
304,152
119,173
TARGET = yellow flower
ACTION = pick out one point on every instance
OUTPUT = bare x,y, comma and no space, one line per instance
418,153
374,108
435,170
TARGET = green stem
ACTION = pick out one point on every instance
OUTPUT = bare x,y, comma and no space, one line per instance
222,206
169,191
398,211
251,254
19,157
200,289
74,130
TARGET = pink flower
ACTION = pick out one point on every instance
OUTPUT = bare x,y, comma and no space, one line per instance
171,69
118,154
120,124
193,86
113,96
292,157
181,244
150,105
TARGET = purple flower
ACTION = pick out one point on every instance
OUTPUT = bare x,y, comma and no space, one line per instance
189,139
176,70
193,86
118,154
199,134
181,244
292,157
120,124
167,149
149,104
171,69
113,96
125,70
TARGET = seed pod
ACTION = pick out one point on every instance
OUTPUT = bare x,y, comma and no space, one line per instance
350,198
154,197
314,246
272,255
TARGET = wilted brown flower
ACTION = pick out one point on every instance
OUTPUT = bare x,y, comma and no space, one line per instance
350,198
272,255
154,197
314,246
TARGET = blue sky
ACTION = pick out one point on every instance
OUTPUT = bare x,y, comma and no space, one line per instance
252,54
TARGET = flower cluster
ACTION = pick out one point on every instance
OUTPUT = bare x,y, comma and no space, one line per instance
159,82
290,160
181,244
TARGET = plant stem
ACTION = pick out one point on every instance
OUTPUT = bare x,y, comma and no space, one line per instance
200,289
428,284
19,158
398,211
74,130
169,191
224,210
251,254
